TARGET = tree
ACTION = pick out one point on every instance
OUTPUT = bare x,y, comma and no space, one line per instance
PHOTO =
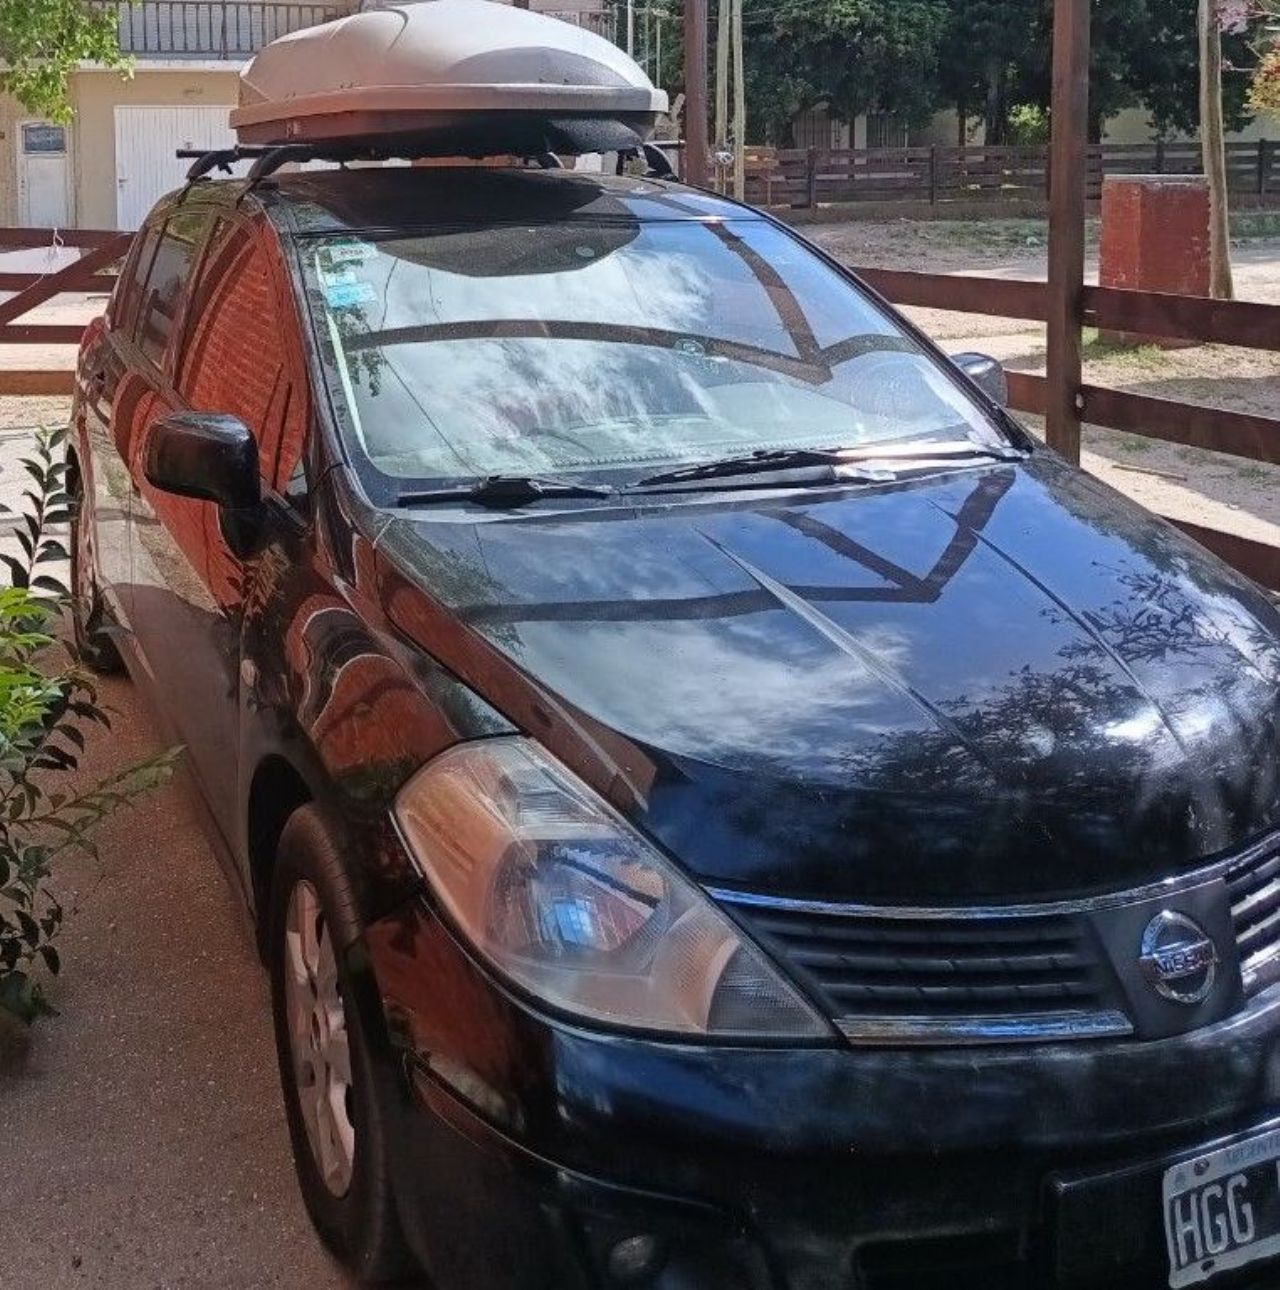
1162,65
43,41
1264,93
855,55
995,54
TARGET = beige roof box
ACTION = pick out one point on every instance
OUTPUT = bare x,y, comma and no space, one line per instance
447,78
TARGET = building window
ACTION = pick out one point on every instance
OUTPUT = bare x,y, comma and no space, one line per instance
39,139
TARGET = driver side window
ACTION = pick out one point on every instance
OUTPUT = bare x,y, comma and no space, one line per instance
243,355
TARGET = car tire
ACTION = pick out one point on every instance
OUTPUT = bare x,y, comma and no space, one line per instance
94,647
340,1150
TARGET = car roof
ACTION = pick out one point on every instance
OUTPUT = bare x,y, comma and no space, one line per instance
414,197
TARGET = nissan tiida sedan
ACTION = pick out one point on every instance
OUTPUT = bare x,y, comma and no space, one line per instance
723,807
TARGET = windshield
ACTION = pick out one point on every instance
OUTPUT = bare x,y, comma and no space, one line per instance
599,348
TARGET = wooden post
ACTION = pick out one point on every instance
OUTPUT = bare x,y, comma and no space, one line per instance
739,105
1213,149
1160,156
1264,165
1068,159
695,92
933,174
811,177
720,132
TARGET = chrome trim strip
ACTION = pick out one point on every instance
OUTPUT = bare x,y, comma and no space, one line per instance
1033,1028
1085,905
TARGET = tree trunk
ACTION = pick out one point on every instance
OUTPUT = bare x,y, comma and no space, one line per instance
995,105
1214,148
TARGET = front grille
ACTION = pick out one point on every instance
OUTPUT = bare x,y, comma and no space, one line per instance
1254,887
959,977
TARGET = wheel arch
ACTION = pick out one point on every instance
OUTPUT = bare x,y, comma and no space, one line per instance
276,791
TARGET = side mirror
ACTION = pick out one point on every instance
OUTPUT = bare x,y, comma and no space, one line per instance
986,372
210,457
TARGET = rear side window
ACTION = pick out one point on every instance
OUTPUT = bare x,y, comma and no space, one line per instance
166,283
133,281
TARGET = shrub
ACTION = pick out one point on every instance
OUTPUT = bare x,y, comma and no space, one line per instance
1028,125
45,710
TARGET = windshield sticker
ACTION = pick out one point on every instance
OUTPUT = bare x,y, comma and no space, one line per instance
338,277
340,253
349,295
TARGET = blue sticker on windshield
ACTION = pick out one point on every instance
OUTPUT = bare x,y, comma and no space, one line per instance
349,295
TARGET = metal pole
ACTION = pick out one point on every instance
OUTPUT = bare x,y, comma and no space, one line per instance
631,27
1068,167
695,91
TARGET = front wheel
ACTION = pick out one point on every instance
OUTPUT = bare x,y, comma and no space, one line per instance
336,1122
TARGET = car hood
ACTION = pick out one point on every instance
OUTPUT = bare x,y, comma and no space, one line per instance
1001,683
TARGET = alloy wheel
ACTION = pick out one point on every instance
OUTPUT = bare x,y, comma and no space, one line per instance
318,1039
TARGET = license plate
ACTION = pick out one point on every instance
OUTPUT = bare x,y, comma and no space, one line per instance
1222,1210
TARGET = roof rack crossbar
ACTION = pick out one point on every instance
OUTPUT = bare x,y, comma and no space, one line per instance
268,158
207,160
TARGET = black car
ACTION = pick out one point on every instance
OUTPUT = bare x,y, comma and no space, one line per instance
724,807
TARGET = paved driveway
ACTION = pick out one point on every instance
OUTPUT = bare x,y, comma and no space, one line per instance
143,1139
144,1142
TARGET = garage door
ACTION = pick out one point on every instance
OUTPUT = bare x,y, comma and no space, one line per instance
146,140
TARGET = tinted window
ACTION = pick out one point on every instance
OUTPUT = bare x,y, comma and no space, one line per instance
239,355
609,347
124,307
162,303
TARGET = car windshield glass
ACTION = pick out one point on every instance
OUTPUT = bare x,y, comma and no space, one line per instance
606,348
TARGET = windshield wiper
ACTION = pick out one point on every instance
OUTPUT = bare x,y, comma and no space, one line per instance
506,490
846,464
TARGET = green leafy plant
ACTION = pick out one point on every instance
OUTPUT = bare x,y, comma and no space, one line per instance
1028,125
42,42
46,706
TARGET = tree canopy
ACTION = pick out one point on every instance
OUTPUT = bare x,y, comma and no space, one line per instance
43,41
984,58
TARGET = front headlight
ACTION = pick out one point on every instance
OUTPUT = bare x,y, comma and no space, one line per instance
560,894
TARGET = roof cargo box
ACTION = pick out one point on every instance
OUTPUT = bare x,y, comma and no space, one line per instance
447,78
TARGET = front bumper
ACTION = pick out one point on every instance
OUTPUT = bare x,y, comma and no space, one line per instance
528,1149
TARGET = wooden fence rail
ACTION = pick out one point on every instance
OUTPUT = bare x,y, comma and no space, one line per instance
806,178
1228,322
93,272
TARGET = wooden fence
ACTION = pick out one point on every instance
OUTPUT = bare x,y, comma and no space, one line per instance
93,272
806,178
1224,322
